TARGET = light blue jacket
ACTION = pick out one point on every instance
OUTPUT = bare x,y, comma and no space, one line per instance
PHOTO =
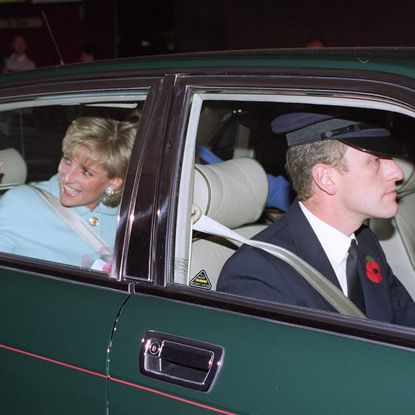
30,228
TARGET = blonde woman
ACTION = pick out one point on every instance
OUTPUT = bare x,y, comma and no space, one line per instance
88,184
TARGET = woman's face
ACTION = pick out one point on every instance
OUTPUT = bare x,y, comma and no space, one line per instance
83,181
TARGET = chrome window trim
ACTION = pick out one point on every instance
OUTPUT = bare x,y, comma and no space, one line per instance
74,99
51,94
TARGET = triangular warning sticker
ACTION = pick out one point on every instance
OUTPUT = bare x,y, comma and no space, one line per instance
201,281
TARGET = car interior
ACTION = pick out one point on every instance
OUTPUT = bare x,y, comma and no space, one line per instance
36,132
233,193
231,187
31,132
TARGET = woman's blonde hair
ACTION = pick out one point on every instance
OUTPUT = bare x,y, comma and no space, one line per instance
109,143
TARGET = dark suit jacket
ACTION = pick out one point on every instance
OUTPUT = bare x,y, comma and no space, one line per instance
252,272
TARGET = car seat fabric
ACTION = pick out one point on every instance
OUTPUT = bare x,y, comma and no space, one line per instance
13,168
233,193
279,188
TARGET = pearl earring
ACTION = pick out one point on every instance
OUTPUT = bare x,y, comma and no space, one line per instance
109,191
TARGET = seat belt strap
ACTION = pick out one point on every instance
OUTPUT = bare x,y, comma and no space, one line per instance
321,284
75,222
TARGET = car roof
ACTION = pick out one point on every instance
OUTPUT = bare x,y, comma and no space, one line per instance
398,61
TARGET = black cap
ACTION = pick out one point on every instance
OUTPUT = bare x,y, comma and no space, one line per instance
306,127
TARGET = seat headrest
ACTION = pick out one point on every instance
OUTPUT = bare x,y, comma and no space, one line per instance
233,192
13,167
407,184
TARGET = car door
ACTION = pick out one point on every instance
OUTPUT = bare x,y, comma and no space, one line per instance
185,348
57,320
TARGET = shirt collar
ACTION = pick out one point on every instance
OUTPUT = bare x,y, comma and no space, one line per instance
18,58
335,243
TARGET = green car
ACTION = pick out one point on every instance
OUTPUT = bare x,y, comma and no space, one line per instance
153,335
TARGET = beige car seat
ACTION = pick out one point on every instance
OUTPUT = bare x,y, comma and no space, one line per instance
397,235
233,193
13,169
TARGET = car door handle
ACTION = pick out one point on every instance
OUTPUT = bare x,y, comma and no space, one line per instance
179,360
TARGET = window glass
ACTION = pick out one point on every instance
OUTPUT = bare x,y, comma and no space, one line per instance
80,178
251,196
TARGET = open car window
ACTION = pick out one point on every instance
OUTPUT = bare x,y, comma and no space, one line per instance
31,134
228,128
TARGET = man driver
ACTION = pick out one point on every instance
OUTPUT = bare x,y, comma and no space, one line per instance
343,173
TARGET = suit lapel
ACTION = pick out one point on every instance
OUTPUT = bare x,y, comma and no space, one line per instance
374,285
307,244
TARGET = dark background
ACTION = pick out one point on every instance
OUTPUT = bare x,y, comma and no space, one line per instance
120,28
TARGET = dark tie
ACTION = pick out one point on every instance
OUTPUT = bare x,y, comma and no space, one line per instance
353,281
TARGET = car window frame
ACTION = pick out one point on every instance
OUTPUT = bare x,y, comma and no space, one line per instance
45,92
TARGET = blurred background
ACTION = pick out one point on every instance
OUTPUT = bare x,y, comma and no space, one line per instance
121,28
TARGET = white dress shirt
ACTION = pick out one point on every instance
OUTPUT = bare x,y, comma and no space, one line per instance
335,244
17,63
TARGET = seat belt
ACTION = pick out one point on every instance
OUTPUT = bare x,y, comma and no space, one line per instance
75,222
321,284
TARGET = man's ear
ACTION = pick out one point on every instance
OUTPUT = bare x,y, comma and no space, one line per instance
323,178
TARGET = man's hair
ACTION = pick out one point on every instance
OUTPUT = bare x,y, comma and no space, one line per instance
109,143
302,158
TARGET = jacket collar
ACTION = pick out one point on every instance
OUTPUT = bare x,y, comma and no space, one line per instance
307,244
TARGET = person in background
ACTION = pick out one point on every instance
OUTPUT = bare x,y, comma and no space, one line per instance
87,54
18,60
343,173
89,182
314,43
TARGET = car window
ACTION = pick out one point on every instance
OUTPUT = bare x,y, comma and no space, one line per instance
31,152
232,128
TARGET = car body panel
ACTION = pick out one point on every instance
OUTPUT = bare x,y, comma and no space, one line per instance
52,333
70,340
295,370
388,60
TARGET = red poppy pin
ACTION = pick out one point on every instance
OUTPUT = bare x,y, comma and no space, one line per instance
373,270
